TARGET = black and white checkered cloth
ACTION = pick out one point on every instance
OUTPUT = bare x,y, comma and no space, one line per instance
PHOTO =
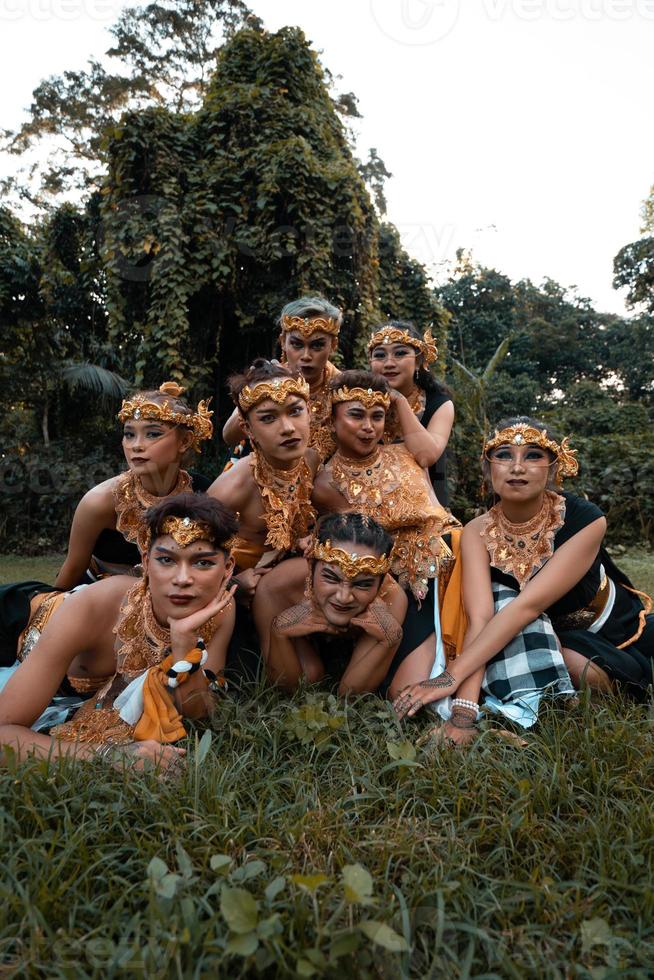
531,663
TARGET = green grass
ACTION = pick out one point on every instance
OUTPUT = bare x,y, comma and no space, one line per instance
496,861
44,568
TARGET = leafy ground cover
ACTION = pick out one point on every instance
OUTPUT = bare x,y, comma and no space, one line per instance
309,837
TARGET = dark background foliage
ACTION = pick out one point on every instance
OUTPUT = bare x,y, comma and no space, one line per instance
219,181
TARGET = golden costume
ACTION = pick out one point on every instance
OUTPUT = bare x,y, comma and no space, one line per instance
390,486
142,644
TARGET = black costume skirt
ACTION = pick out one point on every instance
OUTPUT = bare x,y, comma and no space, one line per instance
243,655
15,601
418,625
632,666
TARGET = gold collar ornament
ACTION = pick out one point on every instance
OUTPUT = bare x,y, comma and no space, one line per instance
141,408
308,325
131,500
520,550
367,397
523,434
184,530
286,500
351,564
279,389
394,335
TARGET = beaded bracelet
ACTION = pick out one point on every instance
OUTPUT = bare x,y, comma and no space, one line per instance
464,703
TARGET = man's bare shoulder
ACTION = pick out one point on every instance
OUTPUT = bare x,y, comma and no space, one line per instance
233,487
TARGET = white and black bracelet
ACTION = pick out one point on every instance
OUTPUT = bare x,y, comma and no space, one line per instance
187,667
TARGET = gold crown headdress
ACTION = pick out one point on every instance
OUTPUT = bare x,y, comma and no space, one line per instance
523,434
184,530
367,396
279,389
394,335
350,563
140,407
307,325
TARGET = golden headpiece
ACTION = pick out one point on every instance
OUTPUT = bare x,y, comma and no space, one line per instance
306,325
185,530
140,407
523,434
367,396
279,389
394,335
351,564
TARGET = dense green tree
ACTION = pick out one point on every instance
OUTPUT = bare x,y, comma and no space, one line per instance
162,54
214,220
633,269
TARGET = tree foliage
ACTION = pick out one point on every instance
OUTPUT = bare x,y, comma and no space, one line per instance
214,220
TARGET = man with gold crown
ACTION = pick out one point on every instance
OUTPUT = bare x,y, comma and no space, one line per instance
107,533
150,652
271,488
309,336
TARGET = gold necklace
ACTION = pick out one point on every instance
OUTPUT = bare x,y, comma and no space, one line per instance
286,499
131,500
363,482
320,413
144,642
521,549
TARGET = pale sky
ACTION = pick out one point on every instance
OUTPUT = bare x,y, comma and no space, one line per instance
518,128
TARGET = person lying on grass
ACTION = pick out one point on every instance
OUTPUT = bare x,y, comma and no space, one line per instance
336,614
547,609
161,640
271,488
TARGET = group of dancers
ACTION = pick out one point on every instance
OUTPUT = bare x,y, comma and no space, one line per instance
327,547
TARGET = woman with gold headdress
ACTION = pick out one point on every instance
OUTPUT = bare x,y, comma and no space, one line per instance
547,609
151,650
159,429
386,482
309,335
422,412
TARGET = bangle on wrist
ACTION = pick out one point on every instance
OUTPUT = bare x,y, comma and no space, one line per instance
465,724
106,751
463,716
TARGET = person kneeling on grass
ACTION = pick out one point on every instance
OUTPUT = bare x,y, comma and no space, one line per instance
161,641
547,609
337,614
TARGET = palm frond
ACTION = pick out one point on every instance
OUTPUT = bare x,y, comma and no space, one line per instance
108,385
